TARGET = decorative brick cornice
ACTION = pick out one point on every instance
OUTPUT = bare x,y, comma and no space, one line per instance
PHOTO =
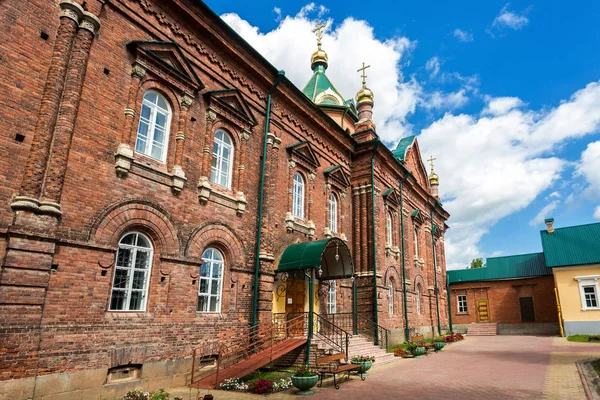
71,9
90,22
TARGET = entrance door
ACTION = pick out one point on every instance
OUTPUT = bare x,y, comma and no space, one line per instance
483,311
294,303
527,312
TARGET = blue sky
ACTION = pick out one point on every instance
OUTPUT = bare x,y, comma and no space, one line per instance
505,95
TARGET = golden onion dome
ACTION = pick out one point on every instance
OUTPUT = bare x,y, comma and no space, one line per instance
364,94
434,179
319,57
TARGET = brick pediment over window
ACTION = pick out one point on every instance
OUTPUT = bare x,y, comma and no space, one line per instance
337,176
303,152
166,60
391,196
230,104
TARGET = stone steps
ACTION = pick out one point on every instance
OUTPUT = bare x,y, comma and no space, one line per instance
360,346
482,329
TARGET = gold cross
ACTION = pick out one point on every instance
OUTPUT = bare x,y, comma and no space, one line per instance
431,160
319,32
364,73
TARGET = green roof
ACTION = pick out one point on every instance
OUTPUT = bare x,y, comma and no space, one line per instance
332,255
509,267
319,83
403,145
572,245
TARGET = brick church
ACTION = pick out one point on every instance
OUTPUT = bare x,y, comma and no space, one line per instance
163,186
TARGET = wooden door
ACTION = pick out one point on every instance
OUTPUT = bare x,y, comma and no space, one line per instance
527,312
294,303
483,311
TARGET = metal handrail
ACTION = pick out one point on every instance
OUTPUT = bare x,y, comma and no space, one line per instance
214,357
369,331
332,334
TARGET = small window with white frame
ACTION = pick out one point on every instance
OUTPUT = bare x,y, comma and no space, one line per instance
333,213
462,304
588,289
298,196
153,129
391,297
332,298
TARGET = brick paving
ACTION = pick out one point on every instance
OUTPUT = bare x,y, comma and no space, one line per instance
499,367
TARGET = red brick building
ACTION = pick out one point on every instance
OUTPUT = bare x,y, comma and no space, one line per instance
515,292
155,167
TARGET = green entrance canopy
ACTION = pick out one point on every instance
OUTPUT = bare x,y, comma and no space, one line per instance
331,256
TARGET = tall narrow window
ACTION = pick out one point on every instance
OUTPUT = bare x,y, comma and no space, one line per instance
211,281
298,196
331,298
462,304
132,273
153,130
222,160
416,241
391,297
333,206
390,236
418,294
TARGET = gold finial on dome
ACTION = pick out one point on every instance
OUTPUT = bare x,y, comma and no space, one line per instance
319,57
364,94
433,178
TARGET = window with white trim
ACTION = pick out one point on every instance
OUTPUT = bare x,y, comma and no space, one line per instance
132,273
462,303
211,281
588,289
391,297
333,207
418,299
298,196
153,129
332,298
390,236
222,159
416,241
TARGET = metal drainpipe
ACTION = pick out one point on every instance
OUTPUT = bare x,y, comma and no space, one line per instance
449,306
344,116
437,301
406,333
373,238
261,195
311,307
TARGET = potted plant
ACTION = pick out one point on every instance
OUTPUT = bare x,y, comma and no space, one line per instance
438,343
304,379
417,349
365,363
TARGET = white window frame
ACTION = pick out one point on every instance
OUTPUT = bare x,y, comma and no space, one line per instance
461,304
332,298
390,235
154,109
416,241
391,297
418,300
590,281
131,270
224,166
212,262
333,213
298,196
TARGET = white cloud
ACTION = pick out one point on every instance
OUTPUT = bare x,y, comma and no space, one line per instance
589,168
544,213
597,212
433,66
277,11
510,19
501,105
347,45
463,36
445,101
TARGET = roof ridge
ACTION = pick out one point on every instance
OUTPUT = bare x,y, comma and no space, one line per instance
516,255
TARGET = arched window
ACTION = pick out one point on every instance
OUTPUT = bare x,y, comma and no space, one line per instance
132,273
418,294
331,298
211,281
153,130
298,196
333,206
416,241
390,236
222,160
391,297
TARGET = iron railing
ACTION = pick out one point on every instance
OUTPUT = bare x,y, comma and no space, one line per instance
331,334
367,328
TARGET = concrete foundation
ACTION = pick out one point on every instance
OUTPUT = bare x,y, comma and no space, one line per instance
582,327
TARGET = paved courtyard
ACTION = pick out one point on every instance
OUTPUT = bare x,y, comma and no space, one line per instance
498,367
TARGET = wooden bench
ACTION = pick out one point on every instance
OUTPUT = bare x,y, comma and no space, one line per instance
330,365
418,337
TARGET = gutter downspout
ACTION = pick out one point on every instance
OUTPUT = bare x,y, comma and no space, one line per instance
261,195
344,116
406,328
449,303
373,238
311,309
437,301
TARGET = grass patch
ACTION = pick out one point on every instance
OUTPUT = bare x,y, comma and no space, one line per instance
584,338
596,365
269,373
